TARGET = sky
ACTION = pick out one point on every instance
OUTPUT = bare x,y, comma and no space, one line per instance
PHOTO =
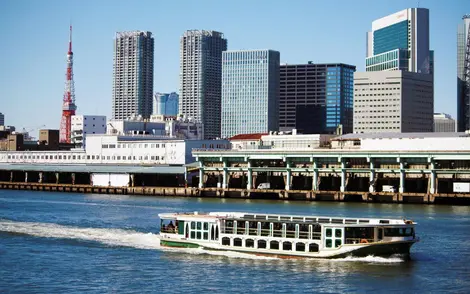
34,43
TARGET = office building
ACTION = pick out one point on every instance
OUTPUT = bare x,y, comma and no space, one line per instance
2,119
316,98
250,92
201,78
444,123
393,101
83,125
165,104
133,75
400,41
463,74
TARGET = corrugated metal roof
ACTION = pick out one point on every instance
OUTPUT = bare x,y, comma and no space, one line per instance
160,169
399,136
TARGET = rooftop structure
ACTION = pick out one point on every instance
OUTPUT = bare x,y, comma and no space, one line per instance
444,123
463,74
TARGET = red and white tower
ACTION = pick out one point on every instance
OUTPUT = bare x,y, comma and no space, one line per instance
68,105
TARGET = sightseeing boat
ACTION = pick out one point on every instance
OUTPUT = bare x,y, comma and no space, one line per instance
288,236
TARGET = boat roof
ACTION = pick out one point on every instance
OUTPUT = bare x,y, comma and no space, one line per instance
284,218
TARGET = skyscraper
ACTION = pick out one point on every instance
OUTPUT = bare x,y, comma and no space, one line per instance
396,93
201,78
443,122
165,104
400,41
250,92
133,74
2,119
316,98
463,74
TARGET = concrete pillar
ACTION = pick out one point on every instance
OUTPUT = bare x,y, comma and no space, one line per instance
288,176
41,175
57,178
225,176
11,176
372,177
343,175
432,179
132,180
201,176
315,176
73,178
249,185
91,179
402,177
25,177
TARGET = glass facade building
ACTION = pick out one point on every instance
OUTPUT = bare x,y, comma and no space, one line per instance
400,41
250,92
316,98
165,104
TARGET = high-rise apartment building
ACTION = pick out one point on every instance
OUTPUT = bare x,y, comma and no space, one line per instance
133,75
393,101
463,74
250,92
165,104
316,98
400,41
444,123
201,78
2,119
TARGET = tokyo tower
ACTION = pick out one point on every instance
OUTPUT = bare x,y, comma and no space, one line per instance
68,105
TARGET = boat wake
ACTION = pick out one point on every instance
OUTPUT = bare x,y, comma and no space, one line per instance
139,240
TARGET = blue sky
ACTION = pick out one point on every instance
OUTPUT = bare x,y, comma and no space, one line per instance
34,36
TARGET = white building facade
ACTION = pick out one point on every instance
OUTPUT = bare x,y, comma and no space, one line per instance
444,123
83,125
393,101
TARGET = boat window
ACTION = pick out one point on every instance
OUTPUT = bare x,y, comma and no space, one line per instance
206,235
198,235
265,229
316,232
355,235
290,230
274,245
303,231
328,243
193,234
253,228
398,232
380,233
198,225
206,226
237,242
338,233
338,242
249,243
324,220
328,232
261,244
193,225
300,247
336,221
287,246
226,241
228,227
180,225
277,229
240,227
313,247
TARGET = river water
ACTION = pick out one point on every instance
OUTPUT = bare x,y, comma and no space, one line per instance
60,242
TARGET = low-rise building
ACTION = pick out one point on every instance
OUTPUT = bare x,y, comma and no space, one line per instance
82,125
444,123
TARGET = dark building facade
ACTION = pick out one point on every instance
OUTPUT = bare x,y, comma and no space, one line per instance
316,98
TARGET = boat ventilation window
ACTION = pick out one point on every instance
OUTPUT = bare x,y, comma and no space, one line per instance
226,241
260,217
336,221
261,244
351,221
300,247
298,218
313,247
384,221
324,220
237,242
249,243
363,221
285,218
287,246
272,217
274,245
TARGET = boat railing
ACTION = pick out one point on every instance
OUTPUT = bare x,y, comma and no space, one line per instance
358,240
273,233
169,229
